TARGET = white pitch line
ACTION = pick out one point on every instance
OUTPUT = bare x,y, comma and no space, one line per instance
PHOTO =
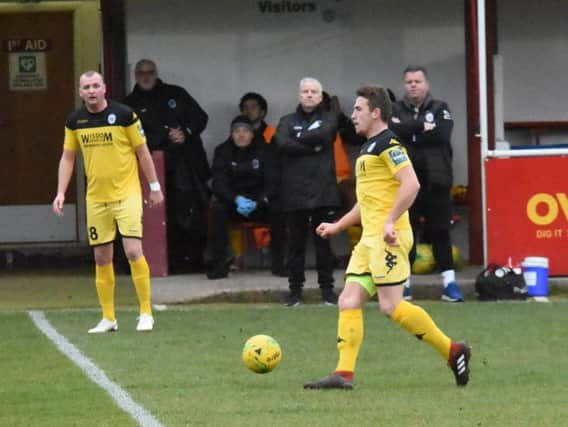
95,374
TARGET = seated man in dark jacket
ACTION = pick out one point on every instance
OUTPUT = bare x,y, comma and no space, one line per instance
244,182
254,106
173,122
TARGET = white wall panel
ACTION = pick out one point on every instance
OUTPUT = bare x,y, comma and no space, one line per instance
37,223
218,50
533,40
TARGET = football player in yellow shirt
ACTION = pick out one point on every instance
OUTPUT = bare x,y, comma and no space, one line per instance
112,142
386,187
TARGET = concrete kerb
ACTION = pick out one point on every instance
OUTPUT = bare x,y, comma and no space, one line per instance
261,287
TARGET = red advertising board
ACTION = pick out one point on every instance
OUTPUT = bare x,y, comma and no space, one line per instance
155,241
527,210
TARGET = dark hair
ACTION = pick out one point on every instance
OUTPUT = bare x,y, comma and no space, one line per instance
377,97
254,97
145,61
416,68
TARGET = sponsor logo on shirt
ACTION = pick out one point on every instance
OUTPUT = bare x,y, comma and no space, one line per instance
96,138
397,156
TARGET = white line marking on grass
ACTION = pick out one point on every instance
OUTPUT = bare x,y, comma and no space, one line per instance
95,374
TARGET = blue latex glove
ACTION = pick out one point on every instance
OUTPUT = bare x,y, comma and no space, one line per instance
245,205
251,206
242,205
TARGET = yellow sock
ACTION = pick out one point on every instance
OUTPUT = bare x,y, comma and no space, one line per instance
104,281
419,323
141,278
349,339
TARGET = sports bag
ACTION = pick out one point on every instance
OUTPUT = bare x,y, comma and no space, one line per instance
500,283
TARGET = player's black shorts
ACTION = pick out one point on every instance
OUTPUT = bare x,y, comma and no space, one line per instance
435,206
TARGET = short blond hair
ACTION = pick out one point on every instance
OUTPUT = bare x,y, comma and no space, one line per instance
91,73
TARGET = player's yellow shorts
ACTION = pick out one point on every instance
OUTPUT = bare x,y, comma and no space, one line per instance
103,218
374,263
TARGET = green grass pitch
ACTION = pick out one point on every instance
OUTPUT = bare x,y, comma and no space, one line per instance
188,371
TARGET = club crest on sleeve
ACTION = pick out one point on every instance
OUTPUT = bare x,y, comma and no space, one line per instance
111,119
141,130
172,103
447,115
397,156
255,163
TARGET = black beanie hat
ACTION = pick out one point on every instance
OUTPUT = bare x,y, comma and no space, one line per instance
241,121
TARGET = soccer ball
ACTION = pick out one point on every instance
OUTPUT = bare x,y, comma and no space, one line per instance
424,262
459,262
261,354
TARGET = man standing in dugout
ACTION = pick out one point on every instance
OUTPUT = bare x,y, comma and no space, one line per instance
112,142
173,122
308,191
424,126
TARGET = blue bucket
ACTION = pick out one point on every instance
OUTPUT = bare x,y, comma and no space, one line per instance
535,272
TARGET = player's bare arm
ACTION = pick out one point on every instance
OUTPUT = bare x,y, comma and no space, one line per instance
405,196
328,229
147,165
66,165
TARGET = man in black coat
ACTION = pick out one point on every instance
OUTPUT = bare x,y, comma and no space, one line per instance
173,122
424,125
245,178
308,191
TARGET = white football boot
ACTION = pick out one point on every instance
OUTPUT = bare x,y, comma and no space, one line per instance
104,326
145,323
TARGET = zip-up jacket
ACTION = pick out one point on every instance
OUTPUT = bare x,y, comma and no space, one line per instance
430,151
